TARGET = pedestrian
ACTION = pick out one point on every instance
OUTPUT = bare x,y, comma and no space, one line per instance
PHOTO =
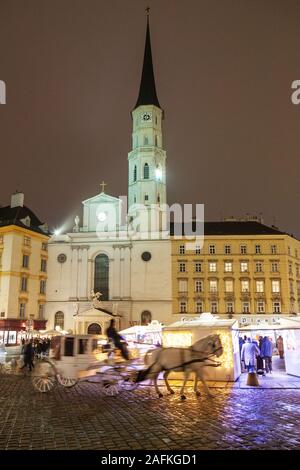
249,353
266,353
279,345
117,339
28,355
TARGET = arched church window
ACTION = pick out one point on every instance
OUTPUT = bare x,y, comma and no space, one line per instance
101,277
134,173
146,317
94,329
146,171
156,141
59,320
158,199
146,140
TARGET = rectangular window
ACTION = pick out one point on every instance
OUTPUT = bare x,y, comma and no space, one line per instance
181,249
182,285
214,307
25,262
213,285
258,249
228,267
229,307
275,286
244,266
43,287
258,266
183,307
291,287
212,267
228,285
273,249
297,270
298,289
260,286
289,250
44,246
274,266
198,286
276,307
69,346
24,284
212,249
22,310
182,267
43,265
197,250
198,267
83,346
227,249
245,285
199,306
246,307
27,241
260,307
243,249
41,311
290,269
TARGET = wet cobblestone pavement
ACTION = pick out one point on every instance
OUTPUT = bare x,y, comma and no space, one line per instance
82,418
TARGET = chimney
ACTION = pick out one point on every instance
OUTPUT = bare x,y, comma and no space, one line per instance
17,199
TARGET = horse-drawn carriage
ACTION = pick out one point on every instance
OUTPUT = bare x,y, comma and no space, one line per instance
74,358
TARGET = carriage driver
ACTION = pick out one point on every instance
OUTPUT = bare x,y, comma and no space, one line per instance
117,339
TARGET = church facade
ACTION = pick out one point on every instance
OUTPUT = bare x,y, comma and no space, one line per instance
124,254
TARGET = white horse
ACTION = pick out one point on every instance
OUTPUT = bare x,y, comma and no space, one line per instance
185,360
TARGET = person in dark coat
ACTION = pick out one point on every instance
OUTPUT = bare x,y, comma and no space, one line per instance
266,353
117,339
28,355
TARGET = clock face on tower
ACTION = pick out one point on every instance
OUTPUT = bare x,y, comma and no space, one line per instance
146,117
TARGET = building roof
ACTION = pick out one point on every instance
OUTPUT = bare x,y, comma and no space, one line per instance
147,93
17,216
227,228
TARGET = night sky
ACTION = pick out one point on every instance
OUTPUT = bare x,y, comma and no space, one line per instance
223,71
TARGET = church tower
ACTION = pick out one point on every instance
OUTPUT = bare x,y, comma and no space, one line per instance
147,159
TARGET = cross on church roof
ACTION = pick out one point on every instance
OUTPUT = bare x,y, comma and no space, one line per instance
148,11
103,186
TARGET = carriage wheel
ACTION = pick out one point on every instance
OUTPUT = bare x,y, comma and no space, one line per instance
43,377
111,382
66,381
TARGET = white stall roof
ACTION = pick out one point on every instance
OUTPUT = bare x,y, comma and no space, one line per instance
137,329
204,320
284,323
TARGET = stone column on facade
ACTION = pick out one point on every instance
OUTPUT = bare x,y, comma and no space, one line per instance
127,272
83,294
90,277
74,273
122,266
116,273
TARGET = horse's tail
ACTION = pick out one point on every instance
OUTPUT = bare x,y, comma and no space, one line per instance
150,359
151,356
142,375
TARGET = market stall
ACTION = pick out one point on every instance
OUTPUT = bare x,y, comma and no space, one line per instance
186,332
289,329
141,338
